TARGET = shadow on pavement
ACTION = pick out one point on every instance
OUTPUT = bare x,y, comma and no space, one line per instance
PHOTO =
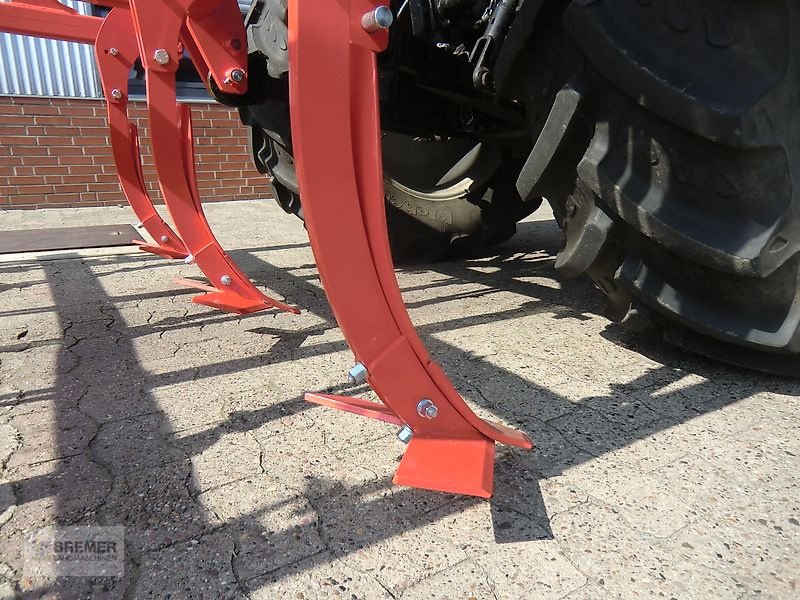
120,462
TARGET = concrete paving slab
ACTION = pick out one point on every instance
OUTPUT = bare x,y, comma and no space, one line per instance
655,473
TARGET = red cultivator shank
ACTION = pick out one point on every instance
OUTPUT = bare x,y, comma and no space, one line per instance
116,52
214,34
336,135
333,101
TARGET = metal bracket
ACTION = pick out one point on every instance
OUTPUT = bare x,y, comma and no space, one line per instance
333,100
488,45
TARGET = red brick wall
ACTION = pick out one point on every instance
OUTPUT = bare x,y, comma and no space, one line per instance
54,153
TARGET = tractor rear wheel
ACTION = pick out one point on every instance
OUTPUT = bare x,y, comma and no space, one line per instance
444,197
684,207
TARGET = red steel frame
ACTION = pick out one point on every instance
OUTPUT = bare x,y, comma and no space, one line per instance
51,19
116,52
119,39
336,136
334,104
214,32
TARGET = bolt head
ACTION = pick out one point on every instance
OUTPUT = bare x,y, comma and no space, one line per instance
427,409
377,19
358,374
237,75
405,434
161,56
116,94
225,280
113,51
164,239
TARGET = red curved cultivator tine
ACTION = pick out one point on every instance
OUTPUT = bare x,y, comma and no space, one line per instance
334,104
214,27
115,49
116,52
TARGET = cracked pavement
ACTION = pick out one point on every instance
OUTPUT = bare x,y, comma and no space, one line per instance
655,473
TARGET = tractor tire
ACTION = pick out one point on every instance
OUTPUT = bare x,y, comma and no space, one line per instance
444,197
684,208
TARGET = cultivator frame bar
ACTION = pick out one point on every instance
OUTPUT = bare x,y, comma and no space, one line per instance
336,136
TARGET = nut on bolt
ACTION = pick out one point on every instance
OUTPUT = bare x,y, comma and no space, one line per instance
405,434
427,409
161,56
378,19
225,280
116,94
237,75
358,374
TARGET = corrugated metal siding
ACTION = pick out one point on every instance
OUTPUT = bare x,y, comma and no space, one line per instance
37,67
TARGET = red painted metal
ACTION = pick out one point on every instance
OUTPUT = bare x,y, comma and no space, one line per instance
48,18
357,406
217,33
51,19
336,137
116,52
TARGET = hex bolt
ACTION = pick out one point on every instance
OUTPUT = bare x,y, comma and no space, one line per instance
164,239
358,374
237,75
225,280
405,434
427,409
116,94
161,56
113,51
377,20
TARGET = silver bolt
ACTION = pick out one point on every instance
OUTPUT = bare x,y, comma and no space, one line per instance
225,280
358,374
405,434
116,94
427,409
237,75
189,259
161,56
113,51
378,19
164,239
